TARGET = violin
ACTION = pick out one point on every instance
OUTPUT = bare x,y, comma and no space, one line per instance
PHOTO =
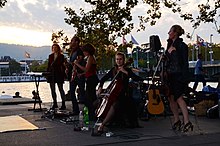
112,92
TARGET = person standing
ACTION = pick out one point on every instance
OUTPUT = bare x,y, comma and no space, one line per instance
199,73
77,77
91,78
57,69
177,74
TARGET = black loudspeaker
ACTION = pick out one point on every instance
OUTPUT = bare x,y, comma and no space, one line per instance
155,44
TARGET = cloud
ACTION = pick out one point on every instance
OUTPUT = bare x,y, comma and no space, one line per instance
45,16
31,37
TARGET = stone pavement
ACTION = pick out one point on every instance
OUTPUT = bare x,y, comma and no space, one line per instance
154,132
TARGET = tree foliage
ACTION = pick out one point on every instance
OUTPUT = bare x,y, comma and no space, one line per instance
14,67
37,67
109,19
206,12
2,3
205,52
104,22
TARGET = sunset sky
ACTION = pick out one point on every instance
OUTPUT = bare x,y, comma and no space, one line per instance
31,22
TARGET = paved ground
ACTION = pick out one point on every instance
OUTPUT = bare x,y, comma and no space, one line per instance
154,132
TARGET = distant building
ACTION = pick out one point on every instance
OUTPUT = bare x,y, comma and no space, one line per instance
24,64
30,61
3,66
5,59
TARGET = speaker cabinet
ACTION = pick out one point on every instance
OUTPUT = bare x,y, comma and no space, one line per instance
155,44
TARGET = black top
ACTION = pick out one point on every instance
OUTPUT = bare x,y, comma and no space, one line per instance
111,74
56,68
177,60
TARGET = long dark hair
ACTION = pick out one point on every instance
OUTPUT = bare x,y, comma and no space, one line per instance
58,46
89,48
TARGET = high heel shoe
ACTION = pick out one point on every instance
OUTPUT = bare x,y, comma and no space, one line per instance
100,131
177,125
188,126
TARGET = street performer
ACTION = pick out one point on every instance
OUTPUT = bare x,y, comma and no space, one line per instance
57,70
177,71
123,107
76,75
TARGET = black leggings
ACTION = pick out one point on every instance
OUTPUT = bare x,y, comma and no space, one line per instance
91,83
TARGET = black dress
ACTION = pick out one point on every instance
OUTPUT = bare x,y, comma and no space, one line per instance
125,108
177,68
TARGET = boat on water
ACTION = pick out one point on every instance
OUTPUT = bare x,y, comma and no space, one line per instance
29,77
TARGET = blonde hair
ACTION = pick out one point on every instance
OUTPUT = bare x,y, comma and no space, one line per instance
121,54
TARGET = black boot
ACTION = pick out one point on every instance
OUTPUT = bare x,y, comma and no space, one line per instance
54,106
63,107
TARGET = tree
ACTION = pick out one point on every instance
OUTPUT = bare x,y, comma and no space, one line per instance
2,3
207,12
104,23
14,67
37,67
110,19
205,52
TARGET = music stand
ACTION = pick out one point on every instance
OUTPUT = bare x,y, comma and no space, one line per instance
36,97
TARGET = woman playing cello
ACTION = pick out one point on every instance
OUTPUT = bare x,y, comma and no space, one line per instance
122,106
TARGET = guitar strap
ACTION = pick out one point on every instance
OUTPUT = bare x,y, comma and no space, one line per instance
155,72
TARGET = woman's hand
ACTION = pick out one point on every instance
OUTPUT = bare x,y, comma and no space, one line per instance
122,70
171,49
76,61
99,91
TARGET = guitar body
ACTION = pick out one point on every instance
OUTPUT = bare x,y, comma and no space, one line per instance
74,74
155,104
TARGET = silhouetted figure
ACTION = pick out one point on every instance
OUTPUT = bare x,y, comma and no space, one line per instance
17,95
199,73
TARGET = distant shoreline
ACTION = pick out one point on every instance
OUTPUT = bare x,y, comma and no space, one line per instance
22,78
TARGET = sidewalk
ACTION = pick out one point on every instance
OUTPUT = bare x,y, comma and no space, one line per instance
157,131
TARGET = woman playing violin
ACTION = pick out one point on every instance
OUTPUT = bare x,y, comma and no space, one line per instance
123,106
91,78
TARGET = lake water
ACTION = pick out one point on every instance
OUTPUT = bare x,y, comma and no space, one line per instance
26,88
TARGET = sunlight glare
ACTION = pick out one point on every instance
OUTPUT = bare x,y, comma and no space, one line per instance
14,35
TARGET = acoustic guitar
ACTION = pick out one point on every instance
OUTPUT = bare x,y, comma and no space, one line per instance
155,104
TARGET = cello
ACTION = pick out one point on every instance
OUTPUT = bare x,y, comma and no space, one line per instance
112,92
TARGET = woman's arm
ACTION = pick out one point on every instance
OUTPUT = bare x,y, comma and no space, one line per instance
90,61
134,77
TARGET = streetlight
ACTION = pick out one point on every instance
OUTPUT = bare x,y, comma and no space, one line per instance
211,52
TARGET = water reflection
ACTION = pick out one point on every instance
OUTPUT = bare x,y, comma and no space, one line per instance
26,88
